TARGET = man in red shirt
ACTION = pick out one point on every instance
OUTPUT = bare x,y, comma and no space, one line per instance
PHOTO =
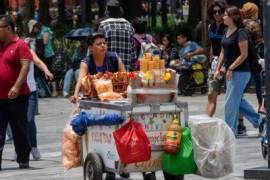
15,58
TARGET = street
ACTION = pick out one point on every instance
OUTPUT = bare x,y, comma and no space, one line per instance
54,114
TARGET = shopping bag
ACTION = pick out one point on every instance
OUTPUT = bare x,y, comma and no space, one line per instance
132,144
183,162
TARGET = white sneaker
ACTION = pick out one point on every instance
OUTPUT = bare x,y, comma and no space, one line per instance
36,154
65,94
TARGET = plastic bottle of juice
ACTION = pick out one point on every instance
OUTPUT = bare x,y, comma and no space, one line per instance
173,137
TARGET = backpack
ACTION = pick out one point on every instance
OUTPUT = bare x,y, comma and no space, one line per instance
253,55
147,45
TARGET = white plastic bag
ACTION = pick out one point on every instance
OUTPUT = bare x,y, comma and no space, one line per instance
213,143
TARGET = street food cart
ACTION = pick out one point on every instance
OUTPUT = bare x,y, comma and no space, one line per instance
99,150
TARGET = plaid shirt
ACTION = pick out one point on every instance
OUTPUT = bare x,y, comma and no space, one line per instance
119,33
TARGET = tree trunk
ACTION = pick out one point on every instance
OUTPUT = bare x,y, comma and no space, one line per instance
4,6
101,8
86,16
44,16
61,11
132,9
153,13
29,9
194,11
164,12
173,6
205,22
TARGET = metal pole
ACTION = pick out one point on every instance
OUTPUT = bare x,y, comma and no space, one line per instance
266,30
264,172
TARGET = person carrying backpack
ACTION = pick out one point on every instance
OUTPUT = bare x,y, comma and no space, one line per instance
143,42
252,26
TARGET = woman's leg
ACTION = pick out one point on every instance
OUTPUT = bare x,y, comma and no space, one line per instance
258,86
247,110
233,96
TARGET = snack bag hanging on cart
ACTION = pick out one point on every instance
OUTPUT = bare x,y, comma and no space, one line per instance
173,137
71,145
71,148
132,144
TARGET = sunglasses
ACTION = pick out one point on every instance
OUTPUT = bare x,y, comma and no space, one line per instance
217,12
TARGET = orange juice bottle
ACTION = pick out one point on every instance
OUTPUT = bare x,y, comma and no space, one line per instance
148,56
161,64
143,65
173,137
156,62
150,65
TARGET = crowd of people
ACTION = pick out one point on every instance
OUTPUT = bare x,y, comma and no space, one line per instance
117,46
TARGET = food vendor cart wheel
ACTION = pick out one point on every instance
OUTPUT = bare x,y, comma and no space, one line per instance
110,176
149,176
172,177
93,167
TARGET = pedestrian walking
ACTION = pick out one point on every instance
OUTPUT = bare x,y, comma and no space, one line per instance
15,58
32,103
251,23
33,97
45,34
119,33
234,57
215,35
143,41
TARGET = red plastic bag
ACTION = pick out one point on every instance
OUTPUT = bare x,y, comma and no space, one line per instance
132,143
